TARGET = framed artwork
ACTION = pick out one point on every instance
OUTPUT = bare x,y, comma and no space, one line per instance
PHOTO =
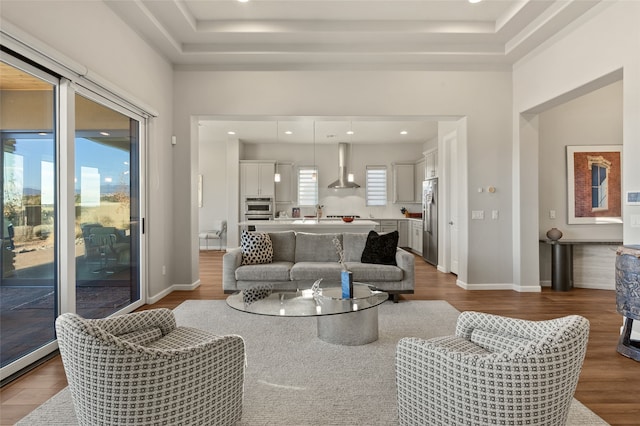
594,184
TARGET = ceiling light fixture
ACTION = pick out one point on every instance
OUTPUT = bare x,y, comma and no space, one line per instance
470,1
104,133
231,132
404,132
288,132
243,1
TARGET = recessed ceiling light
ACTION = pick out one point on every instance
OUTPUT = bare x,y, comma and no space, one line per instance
404,132
350,132
475,1
243,1
288,132
231,132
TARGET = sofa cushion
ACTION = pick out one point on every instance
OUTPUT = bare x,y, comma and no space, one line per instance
275,271
316,247
256,248
380,248
353,244
329,271
284,246
371,273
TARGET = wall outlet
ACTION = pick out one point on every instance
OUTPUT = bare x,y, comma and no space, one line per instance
477,214
552,214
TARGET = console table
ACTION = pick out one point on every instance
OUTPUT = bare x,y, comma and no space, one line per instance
562,260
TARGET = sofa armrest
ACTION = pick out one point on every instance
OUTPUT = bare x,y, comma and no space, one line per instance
231,261
406,262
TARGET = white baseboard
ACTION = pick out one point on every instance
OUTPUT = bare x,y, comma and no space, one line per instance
499,286
175,287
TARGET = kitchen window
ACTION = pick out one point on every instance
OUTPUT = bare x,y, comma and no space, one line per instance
376,183
307,186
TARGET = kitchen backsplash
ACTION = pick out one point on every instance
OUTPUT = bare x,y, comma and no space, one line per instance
333,206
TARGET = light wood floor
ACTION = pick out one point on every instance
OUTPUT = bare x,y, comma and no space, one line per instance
608,384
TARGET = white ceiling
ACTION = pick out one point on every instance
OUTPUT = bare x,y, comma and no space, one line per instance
344,35
347,34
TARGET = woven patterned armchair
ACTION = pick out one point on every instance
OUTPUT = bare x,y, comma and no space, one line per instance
494,371
142,369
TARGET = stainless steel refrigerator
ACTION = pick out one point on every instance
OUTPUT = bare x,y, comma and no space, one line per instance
430,220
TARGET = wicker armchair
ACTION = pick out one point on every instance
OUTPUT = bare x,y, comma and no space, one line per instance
142,369
494,371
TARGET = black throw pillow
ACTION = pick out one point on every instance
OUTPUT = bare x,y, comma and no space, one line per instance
380,248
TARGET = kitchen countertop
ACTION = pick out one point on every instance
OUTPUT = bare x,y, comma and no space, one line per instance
327,225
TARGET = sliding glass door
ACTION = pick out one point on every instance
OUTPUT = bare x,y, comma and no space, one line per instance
106,182
28,286
70,229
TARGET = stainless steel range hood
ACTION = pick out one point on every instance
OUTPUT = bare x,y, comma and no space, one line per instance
343,182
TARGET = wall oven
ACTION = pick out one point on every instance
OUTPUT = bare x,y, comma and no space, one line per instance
258,208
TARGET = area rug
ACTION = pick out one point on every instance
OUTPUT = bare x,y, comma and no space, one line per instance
294,378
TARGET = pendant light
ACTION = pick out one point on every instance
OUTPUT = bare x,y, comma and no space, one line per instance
314,175
276,176
350,176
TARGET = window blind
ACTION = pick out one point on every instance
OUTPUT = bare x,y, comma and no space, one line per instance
307,186
376,186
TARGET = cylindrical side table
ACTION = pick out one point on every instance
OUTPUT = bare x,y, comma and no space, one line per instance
628,297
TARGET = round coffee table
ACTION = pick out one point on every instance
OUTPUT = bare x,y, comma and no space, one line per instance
340,321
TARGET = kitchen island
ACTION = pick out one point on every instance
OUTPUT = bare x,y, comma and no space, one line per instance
310,225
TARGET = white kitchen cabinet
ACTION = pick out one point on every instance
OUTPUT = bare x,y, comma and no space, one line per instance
256,179
403,183
284,188
387,225
431,163
403,233
420,174
415,239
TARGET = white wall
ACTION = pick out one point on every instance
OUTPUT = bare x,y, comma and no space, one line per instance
483,97
607,39
90,34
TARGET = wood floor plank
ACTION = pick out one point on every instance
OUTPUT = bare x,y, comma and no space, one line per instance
607,383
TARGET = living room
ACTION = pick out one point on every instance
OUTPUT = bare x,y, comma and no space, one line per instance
500,109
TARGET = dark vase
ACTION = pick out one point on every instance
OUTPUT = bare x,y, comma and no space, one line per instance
554,234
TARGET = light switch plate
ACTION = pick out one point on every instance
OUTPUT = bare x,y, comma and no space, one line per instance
495,215
477,214
635,220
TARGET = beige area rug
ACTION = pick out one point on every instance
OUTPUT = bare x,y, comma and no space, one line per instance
294,378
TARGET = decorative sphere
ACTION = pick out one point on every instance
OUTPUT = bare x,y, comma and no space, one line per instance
554,234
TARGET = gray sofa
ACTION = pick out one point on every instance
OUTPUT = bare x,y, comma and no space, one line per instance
301,258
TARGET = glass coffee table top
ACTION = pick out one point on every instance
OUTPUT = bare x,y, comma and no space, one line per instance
302,303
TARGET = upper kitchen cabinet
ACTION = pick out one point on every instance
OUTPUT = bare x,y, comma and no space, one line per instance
403,183
431,163
284,188
257,178
420,175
